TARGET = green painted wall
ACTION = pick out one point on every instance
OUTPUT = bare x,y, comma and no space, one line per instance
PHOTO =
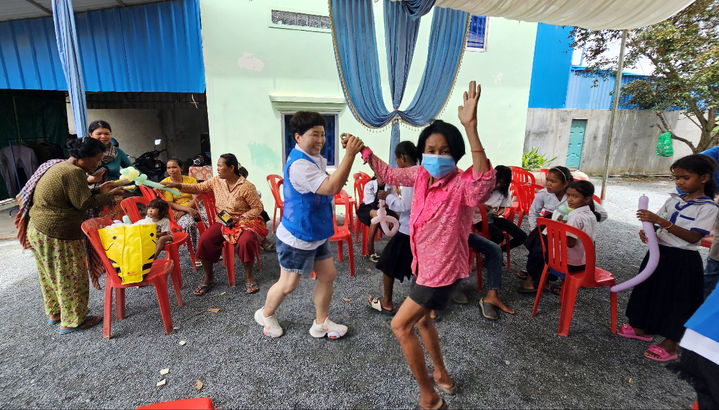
247,59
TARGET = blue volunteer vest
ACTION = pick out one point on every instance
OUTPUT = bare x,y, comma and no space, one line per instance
307,216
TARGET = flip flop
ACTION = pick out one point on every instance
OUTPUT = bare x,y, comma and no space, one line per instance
251,287
489,311
374,303
626,330
89,322
442,406
659,354
202,289
449,391
53,322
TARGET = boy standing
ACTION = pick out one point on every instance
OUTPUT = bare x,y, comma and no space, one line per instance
307,223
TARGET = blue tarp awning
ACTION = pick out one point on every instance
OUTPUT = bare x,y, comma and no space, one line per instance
150,48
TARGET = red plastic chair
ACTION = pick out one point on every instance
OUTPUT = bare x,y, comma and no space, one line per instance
522,176
130,208
275,182
555,251
228,249
157,277
198,403
342,232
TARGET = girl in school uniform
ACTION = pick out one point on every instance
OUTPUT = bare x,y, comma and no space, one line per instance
546,203
583,216
662,304
396,259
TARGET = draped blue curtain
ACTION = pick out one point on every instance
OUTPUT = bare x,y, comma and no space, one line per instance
67,46
358,66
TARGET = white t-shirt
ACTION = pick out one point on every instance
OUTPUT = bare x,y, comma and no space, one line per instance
163,225
305,177
496,200
545,202
370,191
403,206
695,215
584,219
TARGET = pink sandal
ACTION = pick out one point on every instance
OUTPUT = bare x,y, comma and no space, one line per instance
628,331
659,354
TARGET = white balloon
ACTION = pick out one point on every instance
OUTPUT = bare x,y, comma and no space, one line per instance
385,220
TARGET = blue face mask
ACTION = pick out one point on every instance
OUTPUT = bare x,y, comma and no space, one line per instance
438,165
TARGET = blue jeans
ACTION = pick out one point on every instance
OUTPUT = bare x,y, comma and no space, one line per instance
492,255
711,276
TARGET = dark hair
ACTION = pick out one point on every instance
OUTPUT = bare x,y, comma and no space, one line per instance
85,147
503,176
699,164
408,149
177,161
562,172
162,207
450,133
231,161
586,189
304,120
243,172
98,124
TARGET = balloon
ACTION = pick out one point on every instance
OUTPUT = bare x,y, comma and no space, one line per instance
653,254
132,174
384,220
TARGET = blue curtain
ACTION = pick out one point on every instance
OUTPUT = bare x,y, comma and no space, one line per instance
358,65
67,46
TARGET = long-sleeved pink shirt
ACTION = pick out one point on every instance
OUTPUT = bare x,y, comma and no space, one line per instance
441,218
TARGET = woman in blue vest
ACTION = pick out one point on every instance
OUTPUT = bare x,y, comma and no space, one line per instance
307,224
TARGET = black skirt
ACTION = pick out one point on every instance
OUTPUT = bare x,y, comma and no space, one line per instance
666,300
396,258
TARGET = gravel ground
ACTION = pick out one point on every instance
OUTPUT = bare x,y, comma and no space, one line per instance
518,361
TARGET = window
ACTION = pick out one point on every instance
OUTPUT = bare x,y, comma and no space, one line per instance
477,38
289,18
330,149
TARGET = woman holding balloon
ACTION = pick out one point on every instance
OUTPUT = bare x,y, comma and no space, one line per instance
662,303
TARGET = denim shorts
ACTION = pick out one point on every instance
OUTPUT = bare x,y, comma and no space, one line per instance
299,260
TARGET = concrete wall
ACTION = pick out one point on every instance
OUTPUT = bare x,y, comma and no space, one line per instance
249,62
633,145
136,129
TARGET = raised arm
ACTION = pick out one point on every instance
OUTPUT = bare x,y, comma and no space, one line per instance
468,117
334,183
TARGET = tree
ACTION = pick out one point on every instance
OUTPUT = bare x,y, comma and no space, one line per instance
684,50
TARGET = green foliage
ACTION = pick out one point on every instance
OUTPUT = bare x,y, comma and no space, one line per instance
684,50
533,160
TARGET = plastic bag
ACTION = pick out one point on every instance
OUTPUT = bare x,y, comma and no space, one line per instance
130,248
664,145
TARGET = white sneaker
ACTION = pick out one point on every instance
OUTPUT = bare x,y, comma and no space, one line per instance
329,329
270,325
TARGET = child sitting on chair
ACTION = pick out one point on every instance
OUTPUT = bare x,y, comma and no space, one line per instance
158,213
368,210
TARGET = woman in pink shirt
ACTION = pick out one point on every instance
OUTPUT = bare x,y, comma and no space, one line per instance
444,199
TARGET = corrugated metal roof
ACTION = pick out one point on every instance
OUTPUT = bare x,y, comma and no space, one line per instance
24,9
584,95
151,48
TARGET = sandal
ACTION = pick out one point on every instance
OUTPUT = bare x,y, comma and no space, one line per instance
374,258
89,322
202,289
626,330
659,354
375,304
442,406
251,287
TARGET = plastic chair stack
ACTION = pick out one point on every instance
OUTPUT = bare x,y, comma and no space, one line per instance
157,277
275,182
342,232
555,251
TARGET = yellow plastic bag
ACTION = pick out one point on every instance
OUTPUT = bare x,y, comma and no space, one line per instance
130,248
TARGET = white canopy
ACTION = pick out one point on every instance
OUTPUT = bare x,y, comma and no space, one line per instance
591,14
